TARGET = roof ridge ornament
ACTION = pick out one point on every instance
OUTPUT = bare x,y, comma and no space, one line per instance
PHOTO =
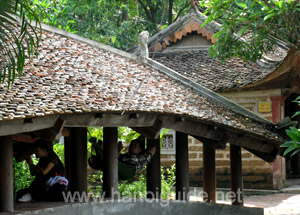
194,6
143,43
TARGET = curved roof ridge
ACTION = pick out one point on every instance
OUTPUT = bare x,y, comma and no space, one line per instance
89,41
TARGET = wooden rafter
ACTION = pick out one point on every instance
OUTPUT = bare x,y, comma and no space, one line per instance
193,128
215,144
263,149
150,132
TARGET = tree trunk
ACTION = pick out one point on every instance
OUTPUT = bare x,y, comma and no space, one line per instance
170,19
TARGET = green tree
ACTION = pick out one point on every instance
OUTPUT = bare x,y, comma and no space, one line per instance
116,23
262,22
155,10
18,38
294,134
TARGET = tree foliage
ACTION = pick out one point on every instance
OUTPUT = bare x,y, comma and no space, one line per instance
116,23
261,22
252,28
294,134
18,37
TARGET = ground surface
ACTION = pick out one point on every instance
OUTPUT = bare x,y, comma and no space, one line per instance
282,202
273,204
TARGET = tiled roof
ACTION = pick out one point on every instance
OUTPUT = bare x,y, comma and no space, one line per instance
198,66
178,30
73,76
211,72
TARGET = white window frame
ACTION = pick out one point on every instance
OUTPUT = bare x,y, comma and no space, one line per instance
171,150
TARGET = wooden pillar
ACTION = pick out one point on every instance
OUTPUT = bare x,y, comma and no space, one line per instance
110,159
6,180
76,163
68,158
277,103
279,172
209,174
153,171
236,175
182,166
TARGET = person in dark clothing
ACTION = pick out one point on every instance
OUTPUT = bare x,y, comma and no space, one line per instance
49,182
137,156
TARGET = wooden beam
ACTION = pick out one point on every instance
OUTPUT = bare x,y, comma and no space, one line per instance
153,172
10,127
109,120
193,128
251,143
24,138
269,157
65,132
236,175
264,150
6,180
46,134
148,132
215,144
209,174
110,160
182,166
152,132
50,133
78,145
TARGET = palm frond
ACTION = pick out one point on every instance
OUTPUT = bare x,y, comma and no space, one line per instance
17,33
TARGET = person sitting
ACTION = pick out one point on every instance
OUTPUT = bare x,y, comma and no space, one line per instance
137,156
49,182
129,163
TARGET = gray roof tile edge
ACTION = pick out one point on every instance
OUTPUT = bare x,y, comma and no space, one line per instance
88,41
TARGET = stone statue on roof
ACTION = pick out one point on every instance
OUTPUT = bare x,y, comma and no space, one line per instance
143,42
194,3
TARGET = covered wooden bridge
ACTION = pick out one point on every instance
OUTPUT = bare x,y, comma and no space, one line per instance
75,83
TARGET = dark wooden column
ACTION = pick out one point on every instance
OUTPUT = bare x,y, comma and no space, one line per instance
209,174
76,162
153,171
6,180
110,159
68,158
182,166
236,175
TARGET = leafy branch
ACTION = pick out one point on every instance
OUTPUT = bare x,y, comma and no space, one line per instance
256,20
18,38
294,134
